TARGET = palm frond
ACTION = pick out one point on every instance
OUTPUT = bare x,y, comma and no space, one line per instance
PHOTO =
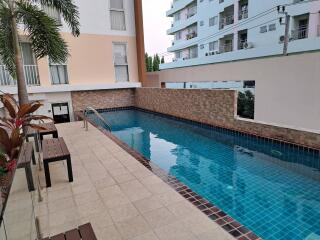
43,32
6,41
68,10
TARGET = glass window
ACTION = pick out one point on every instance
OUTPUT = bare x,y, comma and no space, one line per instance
27,54
263,29
213,21
213,46
120,62
58,72
272,27
118,21
116,4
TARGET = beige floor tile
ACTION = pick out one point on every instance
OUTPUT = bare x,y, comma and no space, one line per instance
170,197
105,182
100,220
182,209
146,236
123,212
124,178
61,204
108,233
174,231
59,194
90,208
216,235
159,217
83,198
62,217
133,227
148,204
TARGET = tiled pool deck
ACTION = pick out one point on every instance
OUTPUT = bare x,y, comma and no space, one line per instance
119,196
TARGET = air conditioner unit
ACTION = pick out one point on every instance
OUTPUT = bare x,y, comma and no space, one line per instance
213,53
281,39
248,45
216,52
207,54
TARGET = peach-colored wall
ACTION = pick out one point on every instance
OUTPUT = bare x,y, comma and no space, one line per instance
287,88
91,60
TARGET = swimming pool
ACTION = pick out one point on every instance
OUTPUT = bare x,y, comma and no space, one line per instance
272,189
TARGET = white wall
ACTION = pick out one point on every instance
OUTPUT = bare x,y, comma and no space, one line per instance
95,18
287,88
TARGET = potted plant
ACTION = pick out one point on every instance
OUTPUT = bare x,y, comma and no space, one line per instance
11,133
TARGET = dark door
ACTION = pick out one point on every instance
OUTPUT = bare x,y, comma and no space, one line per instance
60,112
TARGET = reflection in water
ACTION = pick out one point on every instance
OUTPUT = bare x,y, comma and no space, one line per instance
275,195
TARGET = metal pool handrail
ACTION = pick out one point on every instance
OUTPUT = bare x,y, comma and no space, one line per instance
85,121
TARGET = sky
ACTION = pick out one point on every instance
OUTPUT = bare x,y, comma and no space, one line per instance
156,25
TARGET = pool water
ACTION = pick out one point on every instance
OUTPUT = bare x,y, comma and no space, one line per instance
272,189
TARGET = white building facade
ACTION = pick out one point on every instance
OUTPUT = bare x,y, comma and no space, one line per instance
213,31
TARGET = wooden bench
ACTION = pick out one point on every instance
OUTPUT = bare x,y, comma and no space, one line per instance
25,156
55,149
84,232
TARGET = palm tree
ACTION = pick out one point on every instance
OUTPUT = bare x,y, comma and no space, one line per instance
26,17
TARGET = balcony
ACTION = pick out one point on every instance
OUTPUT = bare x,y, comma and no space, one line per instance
30,73
243,14
225,21
226,47
191,35
300,33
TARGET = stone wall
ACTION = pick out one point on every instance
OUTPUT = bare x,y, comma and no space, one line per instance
216,107
101,99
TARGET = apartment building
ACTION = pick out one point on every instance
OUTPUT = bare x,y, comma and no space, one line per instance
212,31
104,56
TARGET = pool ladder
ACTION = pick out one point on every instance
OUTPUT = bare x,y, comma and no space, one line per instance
85,121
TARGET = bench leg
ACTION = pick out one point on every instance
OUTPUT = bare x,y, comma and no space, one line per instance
69,165
33,158
47,173
36,142
29,178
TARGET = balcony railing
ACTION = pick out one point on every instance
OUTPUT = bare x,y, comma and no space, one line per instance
242,44
243,14
30,73
300,33
5,78
227,47
224,21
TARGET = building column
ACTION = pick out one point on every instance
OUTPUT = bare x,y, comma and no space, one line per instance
236,20
314,22
138,13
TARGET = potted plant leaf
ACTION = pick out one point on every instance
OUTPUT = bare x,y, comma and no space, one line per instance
11,133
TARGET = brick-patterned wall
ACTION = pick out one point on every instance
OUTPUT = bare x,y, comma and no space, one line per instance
215,107
101,99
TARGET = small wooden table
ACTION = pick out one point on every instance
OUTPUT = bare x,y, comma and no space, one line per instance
55,149
50,129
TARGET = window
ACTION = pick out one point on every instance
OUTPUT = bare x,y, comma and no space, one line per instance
58,72
201,23
213,46
29,64
117,15
177,36
201,46
177,16
213,21
272,27
120,62
263,29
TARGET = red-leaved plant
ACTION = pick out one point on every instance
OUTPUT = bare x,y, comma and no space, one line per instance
11,130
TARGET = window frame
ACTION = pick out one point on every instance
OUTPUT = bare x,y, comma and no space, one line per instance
123,11
66,72
119,65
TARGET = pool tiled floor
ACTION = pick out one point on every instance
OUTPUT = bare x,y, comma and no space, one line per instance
119,196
